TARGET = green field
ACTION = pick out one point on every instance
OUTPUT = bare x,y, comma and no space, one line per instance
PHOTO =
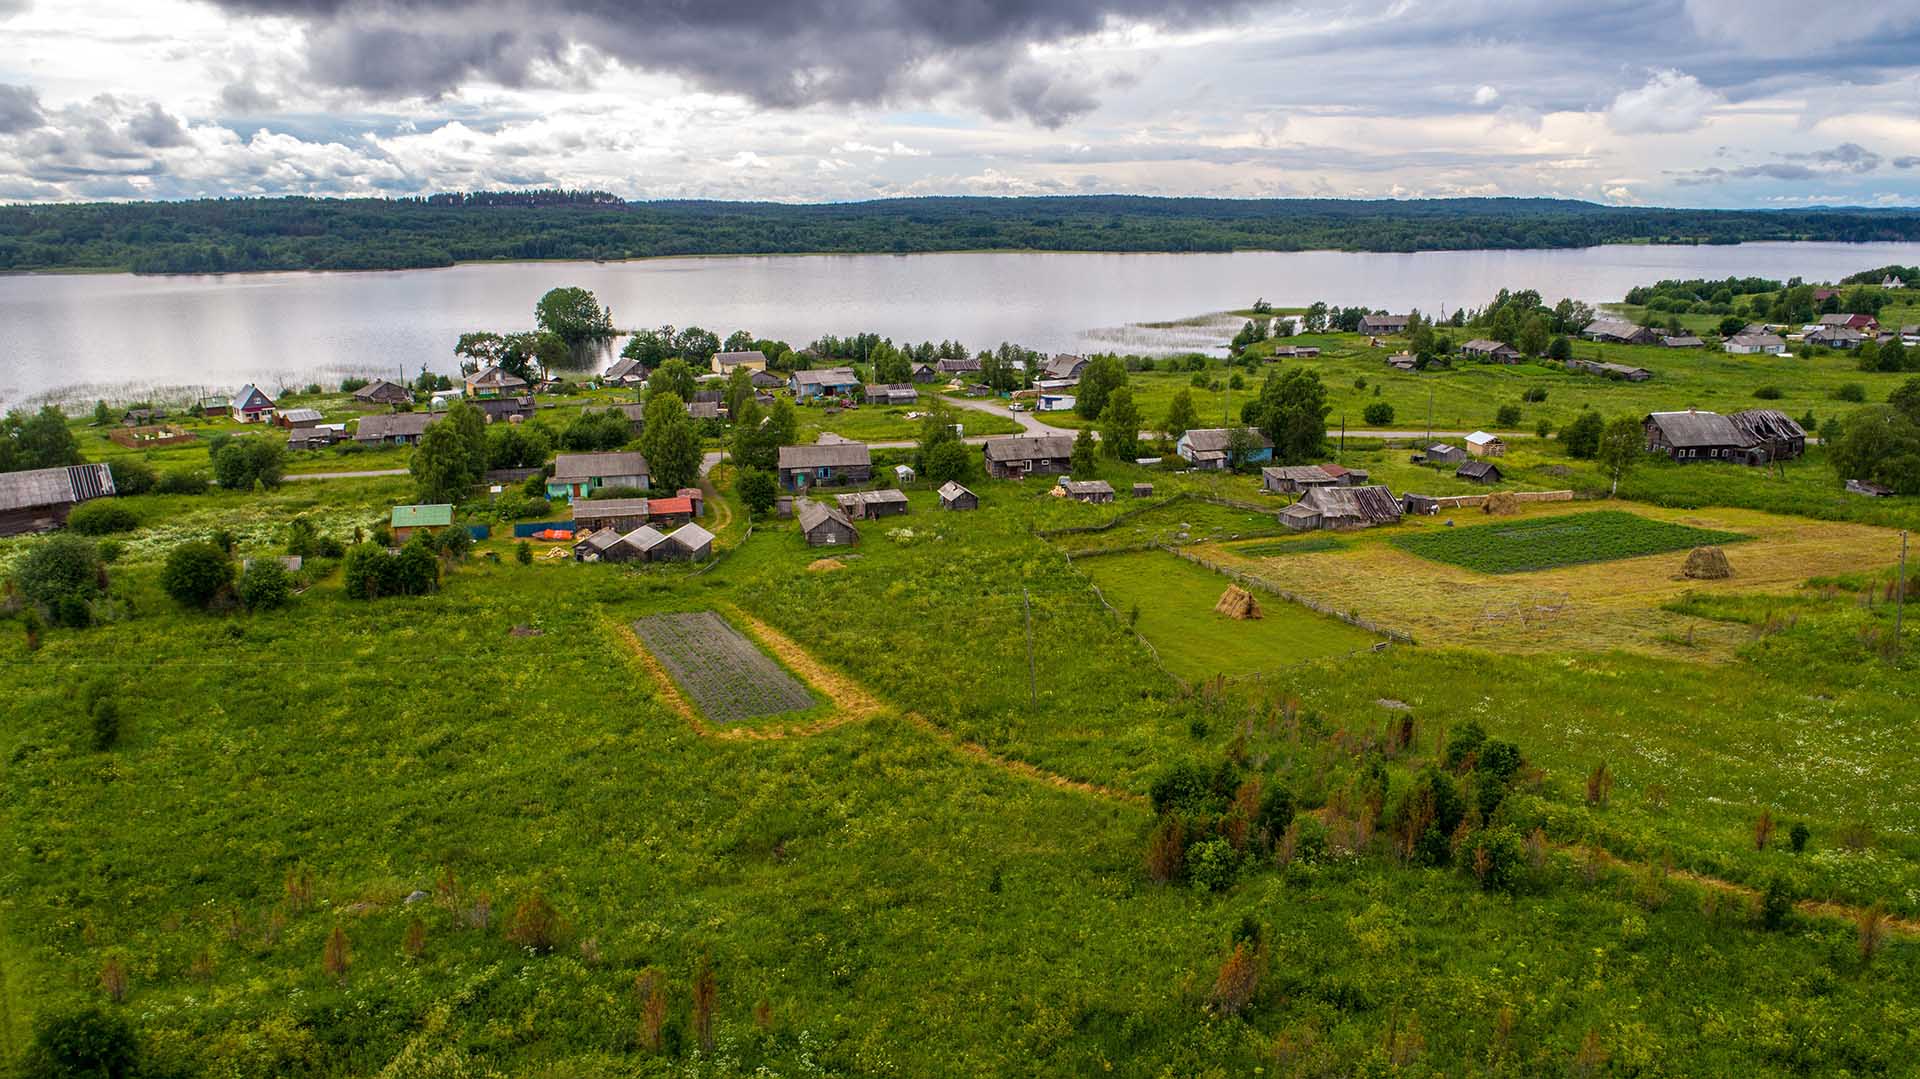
1172,522
1569,540
1175,599
957,883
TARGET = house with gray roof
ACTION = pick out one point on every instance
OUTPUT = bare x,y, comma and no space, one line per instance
822,525
824,464
39,499
1017,456
1753,437
823,382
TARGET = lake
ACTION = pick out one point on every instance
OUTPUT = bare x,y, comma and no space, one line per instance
77,337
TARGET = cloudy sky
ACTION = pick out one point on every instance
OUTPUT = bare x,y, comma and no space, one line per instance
1665,102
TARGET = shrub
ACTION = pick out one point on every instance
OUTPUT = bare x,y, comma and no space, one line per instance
1776,904
1276,811
1507,416
62,576
1499,759
1798,836
759,490
90,1043
1560,349
195,573
1239,978
132,476
1465,740
536,926
241,463
513,506
1534,394
1582,436
1213,865
617,492
1850,391
110,551
1768,393
523,553
101,517
1378,412
180,481
948,461
453,543
264,585
1494,856
1166,850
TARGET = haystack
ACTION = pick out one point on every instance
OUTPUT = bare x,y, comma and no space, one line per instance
1501,503
1707,564
1237,603
825,565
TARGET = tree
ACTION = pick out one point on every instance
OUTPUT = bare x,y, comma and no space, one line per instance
890,365
1622,443
60,576
239,463
674,377
574,315
1085,460
481,348
1316,320
264,585
758,489
1181,415
1881,444
1378,413
196,572
87,1044
671,445
1292,412
1560,349
738,393
1120,425
521,445
522,353
1582,436
1101,376
1534,334
936,430
949,461
651,347
595,430
441,470
696,345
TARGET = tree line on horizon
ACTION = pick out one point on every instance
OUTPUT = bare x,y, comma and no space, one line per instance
298,233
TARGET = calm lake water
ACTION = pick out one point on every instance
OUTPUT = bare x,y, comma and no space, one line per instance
78,337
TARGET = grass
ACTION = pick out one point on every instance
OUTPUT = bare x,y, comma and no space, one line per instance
833,875
1568,540
1175,599
1174,522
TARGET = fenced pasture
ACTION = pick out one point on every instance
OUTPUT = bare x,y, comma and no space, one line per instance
1563,540
1176,521
1606,605
728,677
1175,599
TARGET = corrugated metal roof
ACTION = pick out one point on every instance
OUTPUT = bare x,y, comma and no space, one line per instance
584,466
825,455
422,516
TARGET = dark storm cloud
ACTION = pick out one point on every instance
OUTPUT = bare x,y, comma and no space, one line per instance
780,53
156,128
19,109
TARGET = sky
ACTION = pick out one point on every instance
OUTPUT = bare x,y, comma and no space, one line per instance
1712,103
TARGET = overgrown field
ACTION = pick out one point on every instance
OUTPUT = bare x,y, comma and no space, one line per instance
1170,601
461,834
1562,540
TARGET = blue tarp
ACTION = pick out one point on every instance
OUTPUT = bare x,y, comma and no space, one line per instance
479,532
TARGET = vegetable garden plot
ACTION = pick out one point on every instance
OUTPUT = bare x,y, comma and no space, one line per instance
728,677
1564,540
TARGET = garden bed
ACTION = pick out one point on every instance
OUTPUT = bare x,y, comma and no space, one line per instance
727,676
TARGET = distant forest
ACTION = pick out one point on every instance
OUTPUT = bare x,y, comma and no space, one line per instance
234,235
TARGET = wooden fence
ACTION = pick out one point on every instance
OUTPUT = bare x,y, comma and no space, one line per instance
1250,581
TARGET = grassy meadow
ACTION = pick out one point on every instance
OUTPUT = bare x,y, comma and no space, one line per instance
943,868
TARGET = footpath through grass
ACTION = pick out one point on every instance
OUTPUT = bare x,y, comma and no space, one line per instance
1566,540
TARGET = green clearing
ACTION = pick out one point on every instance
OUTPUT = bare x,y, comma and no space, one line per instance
1175,599
1171,522
421,744
1569,540
1273,548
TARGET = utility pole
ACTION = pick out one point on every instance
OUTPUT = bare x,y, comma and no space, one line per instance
1026,601
1900,596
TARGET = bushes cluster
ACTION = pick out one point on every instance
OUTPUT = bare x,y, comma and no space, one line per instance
198,573
372,572
240,463
101,517
1212,822
132,476
180,481
61,577
264,585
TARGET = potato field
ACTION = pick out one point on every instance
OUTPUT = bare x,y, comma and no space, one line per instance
1563,540
726,675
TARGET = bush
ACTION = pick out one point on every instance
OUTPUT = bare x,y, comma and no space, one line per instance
110,551
513,506
1850,391
1582,436
617,492
196,573
1507,416
88,1044
758,489
453,543
180,481
1213,865
1465,740
62,576
264,585
1768,393
132,476
1378,412
104,714
1776,904
523,553
1276,811
1534,394
1798,836
101,517
240,463
1494,857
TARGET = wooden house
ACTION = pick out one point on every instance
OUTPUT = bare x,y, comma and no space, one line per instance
602,545
1479,472
393,428
407,520
298,417
955,497
214,407
1491,351
1064,367
314,438
1095,491
823,382
822,525
1842,337
958,367
625,372
39,499
1382,325
1207,447
924,373
1019,456
767,380
610,514
1143,490
1621,371
636,416
1482,444
382,392
578,475
505,409
1858,323
824,464
491,381
1293,479
705,410
726,363
1619,332
1748,344
251,405
1342,508
864,505
902,393
1753,437
1685,340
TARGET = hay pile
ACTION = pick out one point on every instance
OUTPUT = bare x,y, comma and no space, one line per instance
825,565
1237,603
1501,503
1707,564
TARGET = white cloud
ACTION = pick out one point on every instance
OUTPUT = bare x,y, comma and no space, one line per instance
1670,102
1485,95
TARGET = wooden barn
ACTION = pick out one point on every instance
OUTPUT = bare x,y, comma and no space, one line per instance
39,500
1479,472
861,505
1342,508
1095,491
822,525
955,497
